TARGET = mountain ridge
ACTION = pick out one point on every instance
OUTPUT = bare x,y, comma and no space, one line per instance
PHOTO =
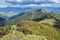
36,25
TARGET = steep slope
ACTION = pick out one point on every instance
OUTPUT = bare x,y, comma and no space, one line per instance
20,36
41,29
57,24
35,15
31,30
2,21
50,21
4,31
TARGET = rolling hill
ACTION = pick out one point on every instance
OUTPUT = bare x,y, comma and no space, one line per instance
35,15
35,25
30,30
41,29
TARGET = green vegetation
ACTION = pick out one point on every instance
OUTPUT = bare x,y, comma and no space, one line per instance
4,31
41,29
30,30
21,36
34,15
49,21
35,25
57,24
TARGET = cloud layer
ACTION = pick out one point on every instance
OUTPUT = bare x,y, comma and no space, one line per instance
29,3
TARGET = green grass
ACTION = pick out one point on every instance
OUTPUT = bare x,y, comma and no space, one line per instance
49,21
20,36
32,15
31,30
41,29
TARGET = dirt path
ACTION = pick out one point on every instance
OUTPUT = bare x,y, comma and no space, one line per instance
16,36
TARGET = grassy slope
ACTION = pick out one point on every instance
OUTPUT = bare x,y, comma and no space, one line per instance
20,36
41,29
30,30
41,13
28,16
49,21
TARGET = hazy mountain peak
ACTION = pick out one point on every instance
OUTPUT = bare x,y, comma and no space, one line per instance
42,10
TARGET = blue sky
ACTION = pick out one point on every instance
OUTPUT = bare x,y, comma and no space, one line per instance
29,3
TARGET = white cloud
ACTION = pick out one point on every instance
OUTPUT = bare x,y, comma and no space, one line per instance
14,0
19,0
56,1
36,0
4,4
32,5
46,5
11,0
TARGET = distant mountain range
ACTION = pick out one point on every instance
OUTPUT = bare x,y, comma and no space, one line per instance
35,15
11,11
14,15
19,10
35,24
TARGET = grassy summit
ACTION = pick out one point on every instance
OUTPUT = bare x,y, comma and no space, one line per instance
31,30
41,29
